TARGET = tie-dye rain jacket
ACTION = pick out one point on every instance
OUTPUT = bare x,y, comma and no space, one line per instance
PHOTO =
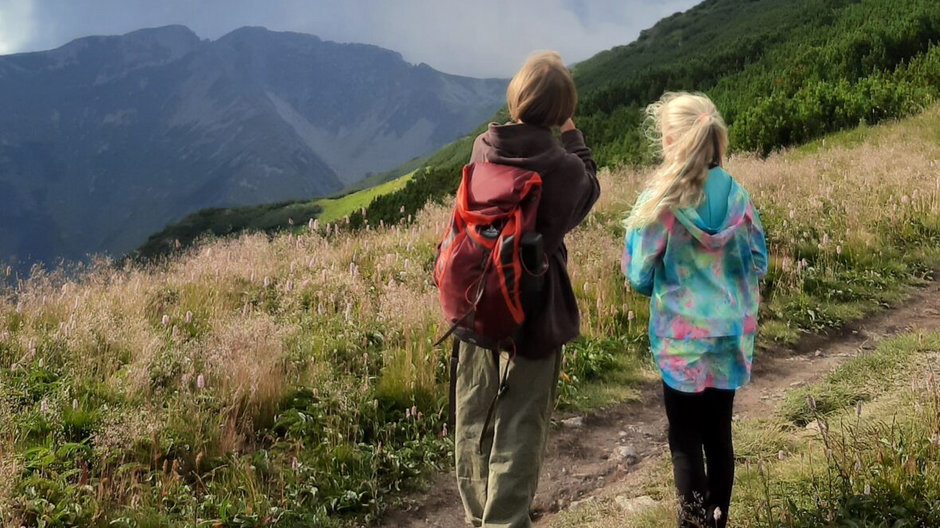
703,284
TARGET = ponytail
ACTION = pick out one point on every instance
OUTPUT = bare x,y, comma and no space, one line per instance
693,139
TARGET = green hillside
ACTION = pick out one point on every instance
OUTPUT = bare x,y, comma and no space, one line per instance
783,72
270,218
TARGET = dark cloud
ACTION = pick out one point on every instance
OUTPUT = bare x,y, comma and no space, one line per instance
480,38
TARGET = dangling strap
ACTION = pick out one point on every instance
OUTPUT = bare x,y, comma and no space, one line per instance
503,388
481,286
454,361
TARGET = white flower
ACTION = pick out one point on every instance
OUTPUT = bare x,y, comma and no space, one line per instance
200,382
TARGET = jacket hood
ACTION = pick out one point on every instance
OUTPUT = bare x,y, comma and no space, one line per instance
521,145
739,209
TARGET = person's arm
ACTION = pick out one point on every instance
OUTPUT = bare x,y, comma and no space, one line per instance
643,249
758,241
585,189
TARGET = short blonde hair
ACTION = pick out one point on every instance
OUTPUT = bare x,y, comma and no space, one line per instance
542,92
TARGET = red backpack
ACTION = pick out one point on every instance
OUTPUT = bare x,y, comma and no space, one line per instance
490,261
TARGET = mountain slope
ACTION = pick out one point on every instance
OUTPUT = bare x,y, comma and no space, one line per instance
106,139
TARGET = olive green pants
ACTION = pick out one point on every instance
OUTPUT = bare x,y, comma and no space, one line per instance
498,460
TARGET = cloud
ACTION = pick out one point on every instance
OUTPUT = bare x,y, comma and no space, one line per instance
16,19
480,38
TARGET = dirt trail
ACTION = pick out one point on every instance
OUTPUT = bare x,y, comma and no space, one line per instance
615,443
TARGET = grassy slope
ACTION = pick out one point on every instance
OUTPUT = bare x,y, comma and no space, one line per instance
221,222
333,209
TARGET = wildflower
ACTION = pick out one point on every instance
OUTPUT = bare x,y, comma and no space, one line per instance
838,250
290,221
781,455
267,281
311,224
630,315
200,382
858,409
402,210
294,464
74,404
44,406
414,410
189,317
717,514
867,489
811,402
407,413
444,431
165,320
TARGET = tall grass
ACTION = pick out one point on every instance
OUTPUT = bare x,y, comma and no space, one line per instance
291,380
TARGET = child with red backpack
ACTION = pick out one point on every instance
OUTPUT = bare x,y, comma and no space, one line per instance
502,274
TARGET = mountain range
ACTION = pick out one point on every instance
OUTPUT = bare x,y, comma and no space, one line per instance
105,140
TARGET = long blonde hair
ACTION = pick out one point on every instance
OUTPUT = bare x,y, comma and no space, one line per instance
692,137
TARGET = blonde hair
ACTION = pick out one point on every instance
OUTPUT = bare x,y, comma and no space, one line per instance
692,137
542,92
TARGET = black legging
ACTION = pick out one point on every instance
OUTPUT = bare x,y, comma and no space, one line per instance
697,422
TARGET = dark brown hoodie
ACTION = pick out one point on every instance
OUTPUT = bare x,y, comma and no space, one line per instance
569,190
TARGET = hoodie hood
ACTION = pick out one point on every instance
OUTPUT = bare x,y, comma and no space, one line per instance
739,210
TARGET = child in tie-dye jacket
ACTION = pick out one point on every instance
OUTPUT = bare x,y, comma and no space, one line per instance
696,246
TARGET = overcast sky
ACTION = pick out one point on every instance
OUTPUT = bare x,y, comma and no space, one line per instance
475,37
